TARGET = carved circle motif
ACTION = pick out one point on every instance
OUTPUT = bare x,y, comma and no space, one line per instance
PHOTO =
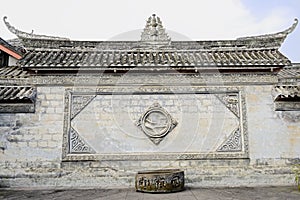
156,123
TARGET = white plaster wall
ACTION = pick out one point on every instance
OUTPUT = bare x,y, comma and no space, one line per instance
271,133
12,61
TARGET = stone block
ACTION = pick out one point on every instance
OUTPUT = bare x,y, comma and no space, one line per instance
53,144
56,104
32,143
43,144
47,137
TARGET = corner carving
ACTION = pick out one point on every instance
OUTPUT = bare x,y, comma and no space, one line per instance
231,101
233,142
77,144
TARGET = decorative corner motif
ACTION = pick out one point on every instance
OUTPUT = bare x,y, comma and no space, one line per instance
233,142
231,101
77,144
79,103
156,123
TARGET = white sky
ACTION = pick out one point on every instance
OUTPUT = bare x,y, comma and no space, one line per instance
124,19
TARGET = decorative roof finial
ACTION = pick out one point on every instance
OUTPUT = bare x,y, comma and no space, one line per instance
154,32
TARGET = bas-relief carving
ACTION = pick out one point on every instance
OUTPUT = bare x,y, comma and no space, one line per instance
235,146
77,144
233,143
79,102
156,123
231,101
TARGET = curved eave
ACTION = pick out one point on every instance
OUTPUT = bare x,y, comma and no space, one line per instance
276,38
24,35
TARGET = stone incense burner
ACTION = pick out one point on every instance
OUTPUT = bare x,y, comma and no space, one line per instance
160,181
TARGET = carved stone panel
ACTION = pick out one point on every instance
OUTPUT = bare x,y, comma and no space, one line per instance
123,125
156,123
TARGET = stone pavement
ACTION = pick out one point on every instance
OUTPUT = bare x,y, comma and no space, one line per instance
280,193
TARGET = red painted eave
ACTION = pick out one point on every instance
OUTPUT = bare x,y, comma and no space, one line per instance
10,52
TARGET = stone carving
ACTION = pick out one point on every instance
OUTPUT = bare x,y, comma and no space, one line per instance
154,32
77,144
233,143
156,123
170,180
231,101
79,103
67,155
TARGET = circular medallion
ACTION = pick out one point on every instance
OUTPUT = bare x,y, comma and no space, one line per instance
156,123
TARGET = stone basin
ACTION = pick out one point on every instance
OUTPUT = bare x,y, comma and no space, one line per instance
160,181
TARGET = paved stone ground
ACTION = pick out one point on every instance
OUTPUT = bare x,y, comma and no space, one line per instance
280,193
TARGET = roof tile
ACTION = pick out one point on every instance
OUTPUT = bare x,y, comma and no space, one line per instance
17,94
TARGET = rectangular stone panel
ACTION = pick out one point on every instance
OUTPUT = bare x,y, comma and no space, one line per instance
154,125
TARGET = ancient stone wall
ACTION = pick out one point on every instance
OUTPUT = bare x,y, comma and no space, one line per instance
34,147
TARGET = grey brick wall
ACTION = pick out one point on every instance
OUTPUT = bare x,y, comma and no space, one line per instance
31,149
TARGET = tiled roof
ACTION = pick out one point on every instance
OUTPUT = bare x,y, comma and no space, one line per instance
13,72
17,94
290,72
155,51
104,59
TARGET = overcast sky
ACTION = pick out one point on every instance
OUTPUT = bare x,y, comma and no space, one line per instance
184,19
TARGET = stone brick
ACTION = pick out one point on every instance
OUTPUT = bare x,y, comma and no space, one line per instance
59,110
43,144
47,137
56,90
42,90
53,144
45,104
50,110
56,103
32,143
52,97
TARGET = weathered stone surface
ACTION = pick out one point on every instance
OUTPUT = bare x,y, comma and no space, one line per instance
83,132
